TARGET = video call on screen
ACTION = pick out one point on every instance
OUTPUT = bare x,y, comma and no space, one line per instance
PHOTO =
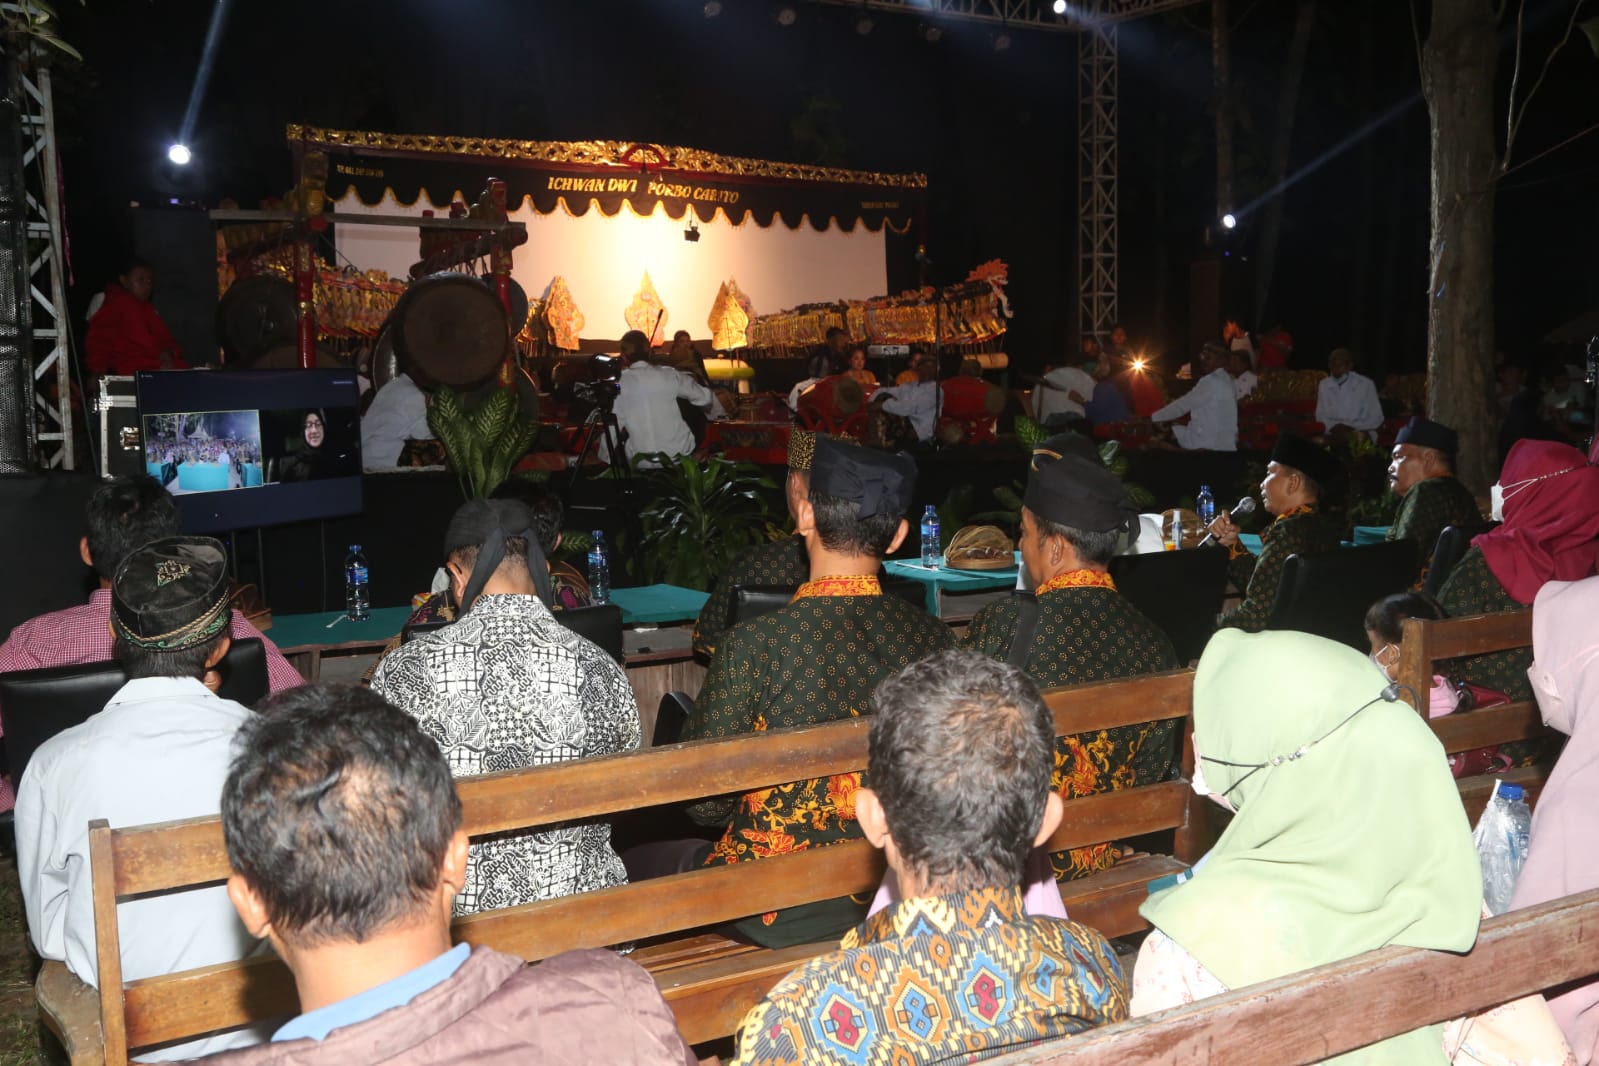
244,449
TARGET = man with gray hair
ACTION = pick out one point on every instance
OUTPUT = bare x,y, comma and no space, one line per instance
959,765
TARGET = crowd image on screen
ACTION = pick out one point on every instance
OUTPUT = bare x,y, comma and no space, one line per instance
203,451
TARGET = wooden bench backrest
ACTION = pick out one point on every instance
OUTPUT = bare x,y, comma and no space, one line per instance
1427,642
179,855
1314,1015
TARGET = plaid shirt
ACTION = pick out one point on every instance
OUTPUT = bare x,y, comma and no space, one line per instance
83,635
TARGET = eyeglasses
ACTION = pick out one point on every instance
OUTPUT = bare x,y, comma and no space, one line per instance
1292,756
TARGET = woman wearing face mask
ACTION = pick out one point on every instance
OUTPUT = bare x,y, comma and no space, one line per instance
1316,865
1561,859
1551,517
1385,628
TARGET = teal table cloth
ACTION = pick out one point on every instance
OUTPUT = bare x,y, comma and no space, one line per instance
654,604
941,577
332,627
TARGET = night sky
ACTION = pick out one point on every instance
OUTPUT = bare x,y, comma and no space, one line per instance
994,131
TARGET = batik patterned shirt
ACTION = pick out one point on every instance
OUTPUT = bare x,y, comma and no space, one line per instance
1298,532
941,979
1431,506
509,687
779,562
1472,589
1088,632
816,660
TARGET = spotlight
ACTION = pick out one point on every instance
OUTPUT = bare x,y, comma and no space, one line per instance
691,233
1001,42
713,8
1138,363
180,155
786,15
1060,7
1229,221
863,25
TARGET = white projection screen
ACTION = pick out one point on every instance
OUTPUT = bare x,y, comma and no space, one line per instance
604,260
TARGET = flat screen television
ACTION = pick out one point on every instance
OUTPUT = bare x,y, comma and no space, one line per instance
240,449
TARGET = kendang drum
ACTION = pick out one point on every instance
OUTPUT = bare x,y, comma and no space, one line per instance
450,329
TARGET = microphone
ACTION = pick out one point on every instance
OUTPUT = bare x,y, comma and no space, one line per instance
1244,507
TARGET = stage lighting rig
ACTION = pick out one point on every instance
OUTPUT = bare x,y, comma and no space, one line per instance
787,15
691,232
1229,221
179,155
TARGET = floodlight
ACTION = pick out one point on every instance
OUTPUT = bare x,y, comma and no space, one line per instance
1229,220
180,155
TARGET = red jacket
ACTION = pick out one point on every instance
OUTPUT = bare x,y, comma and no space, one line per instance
127,334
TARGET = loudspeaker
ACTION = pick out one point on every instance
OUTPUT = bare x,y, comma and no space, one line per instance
180,243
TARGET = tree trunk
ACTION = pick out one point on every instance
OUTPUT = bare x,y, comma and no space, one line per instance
1162,254
1458,79
1282,144
1221,69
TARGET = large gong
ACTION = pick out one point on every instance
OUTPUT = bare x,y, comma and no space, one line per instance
255,315
449,329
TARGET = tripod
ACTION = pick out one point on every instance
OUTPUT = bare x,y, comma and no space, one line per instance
601,426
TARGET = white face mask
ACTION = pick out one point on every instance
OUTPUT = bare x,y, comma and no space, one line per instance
1376,660
1496,496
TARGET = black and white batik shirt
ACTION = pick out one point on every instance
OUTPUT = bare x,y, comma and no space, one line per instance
507,687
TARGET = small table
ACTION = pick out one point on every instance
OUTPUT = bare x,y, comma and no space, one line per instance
941,579
305,638
654,604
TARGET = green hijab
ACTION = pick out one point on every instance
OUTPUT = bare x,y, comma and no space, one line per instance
1358,843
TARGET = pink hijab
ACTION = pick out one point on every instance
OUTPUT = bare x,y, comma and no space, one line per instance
1551,519
1562,859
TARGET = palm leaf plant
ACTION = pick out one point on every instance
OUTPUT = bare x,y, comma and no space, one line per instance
703,515
481,444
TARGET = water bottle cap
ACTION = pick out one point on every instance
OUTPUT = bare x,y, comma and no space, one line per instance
1204,488
931,510
1511,792
597,534
355,547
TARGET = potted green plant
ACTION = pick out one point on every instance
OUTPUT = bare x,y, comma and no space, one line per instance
481,444
702,515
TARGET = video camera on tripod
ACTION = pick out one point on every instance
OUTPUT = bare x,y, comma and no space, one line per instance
602,389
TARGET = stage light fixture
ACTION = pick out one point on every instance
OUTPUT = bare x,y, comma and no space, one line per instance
691,232
787,15
1229,220
1138,363
863,25
713,8
179,155
1001,42
1060,7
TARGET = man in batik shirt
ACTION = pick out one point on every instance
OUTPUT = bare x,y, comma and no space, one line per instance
816,660
506,687
1299,480
1423,476
780,562
956,971
1077,628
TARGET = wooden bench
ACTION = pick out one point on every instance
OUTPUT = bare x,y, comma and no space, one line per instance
1311,1016
709,981
1429,642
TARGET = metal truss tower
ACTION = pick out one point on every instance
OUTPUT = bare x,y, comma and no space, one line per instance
46,303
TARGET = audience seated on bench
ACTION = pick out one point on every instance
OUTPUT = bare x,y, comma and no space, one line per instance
343,829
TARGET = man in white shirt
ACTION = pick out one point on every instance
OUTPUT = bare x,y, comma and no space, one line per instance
159,751
1059,398
919,401
646,407
1211,406
399,412
1244,379
1345,398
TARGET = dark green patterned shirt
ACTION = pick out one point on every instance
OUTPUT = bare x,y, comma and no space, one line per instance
1291,534
780,562
1084,635
1428,508
1473,589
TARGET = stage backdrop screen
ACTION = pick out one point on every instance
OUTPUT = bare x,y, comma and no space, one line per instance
240,449
604,261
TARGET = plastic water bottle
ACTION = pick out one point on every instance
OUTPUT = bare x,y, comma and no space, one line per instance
599,570
932,548
1205,506
357,599
1501,837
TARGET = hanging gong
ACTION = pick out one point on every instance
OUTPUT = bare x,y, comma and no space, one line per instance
449,329
255,315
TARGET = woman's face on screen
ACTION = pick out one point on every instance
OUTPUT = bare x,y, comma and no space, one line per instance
313,430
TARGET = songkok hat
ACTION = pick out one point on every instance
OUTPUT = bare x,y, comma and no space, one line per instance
486,525
877,482
171,594
1313,461
1061,445
802,446
1080,493
1424,433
